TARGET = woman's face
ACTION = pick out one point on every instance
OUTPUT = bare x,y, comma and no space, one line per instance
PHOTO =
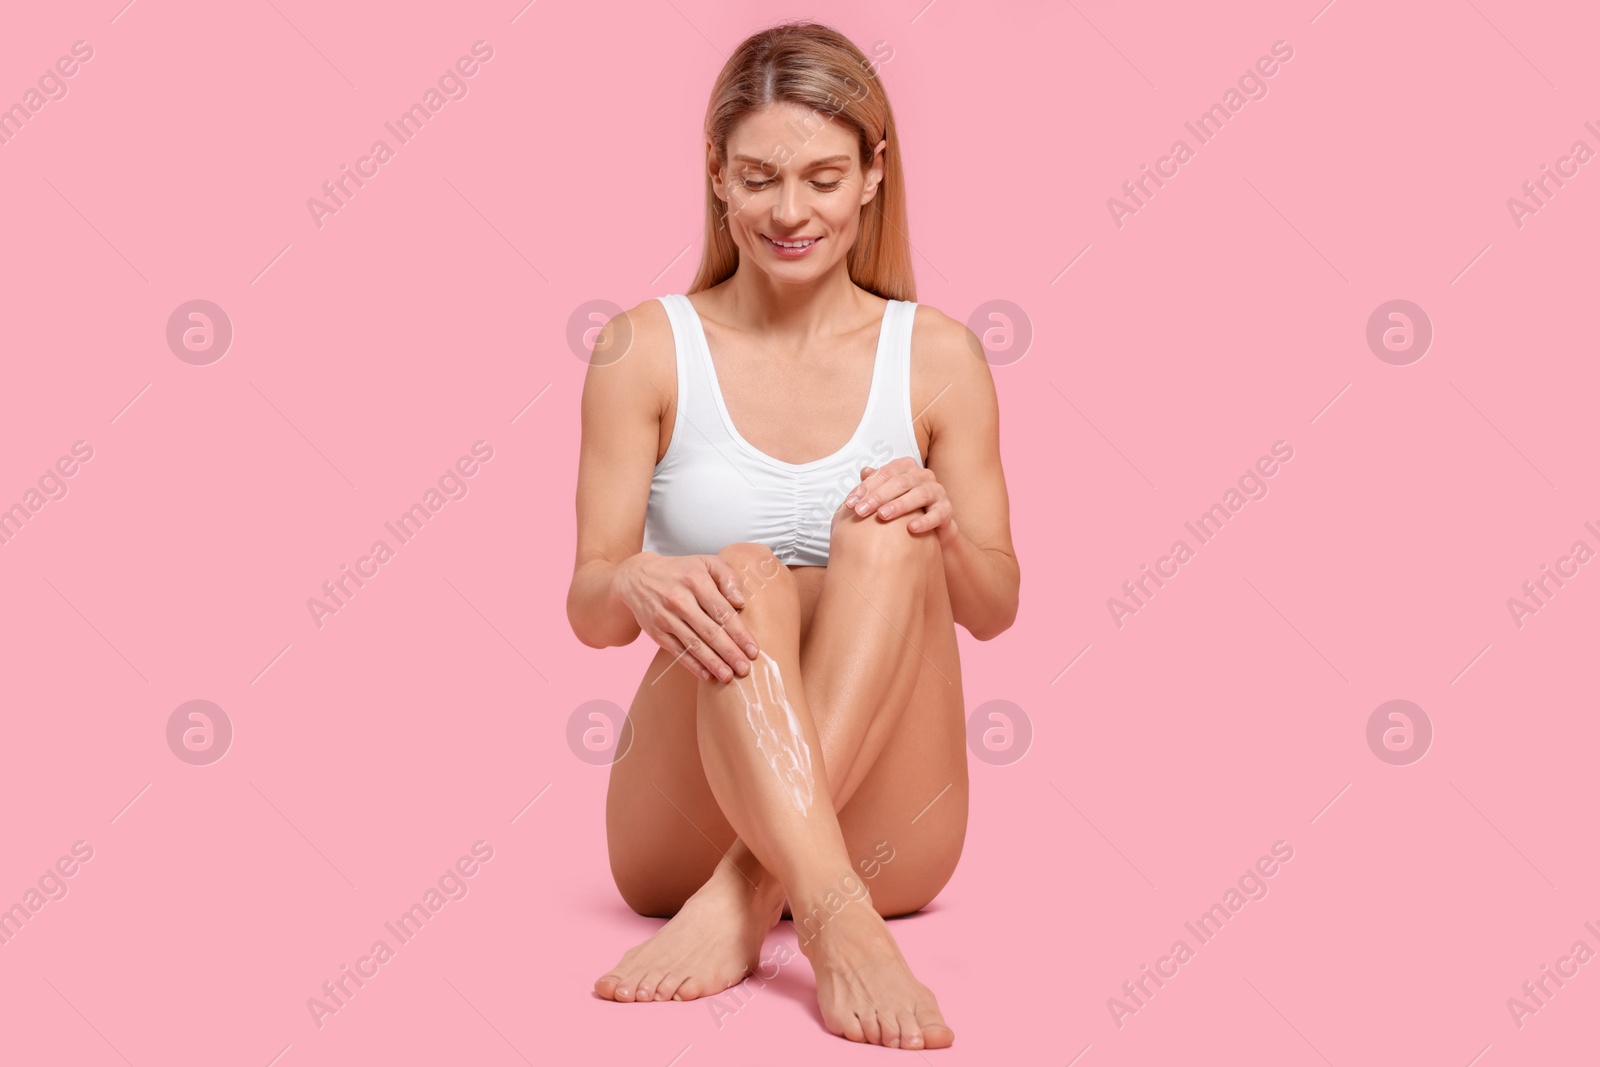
794,186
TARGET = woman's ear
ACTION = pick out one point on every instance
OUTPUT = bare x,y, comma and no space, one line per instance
714,170
874,173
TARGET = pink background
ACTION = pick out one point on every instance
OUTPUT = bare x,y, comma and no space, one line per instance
1227,314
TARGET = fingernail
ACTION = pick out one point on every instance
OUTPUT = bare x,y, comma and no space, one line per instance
750,650
862,509
850,501
885,512
724,674
742,668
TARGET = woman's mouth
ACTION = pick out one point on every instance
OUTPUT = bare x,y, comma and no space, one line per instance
794,248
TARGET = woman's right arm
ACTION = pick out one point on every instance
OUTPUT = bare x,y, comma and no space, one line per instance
686,600
622,409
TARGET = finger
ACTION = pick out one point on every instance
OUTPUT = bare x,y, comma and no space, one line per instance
681,654
727,580
888,489
700,652
932,518
868,484
722,613
918,496
870,477
716,615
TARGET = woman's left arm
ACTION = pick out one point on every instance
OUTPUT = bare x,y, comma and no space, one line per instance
962,489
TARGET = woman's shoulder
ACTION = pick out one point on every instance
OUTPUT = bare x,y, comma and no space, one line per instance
631,361
948,345
947,362
640,335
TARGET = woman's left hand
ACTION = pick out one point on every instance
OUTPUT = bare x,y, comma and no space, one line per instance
899,486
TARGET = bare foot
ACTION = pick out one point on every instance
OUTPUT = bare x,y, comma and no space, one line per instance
864,986
712,943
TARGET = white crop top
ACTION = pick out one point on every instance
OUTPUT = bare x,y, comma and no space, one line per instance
713,488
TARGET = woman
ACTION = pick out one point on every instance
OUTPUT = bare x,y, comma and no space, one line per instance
799,738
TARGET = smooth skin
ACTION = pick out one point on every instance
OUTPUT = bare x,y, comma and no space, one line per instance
700,829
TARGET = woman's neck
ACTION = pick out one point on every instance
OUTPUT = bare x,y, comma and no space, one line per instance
752,299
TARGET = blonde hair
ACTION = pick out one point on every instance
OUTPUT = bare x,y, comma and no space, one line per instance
815,67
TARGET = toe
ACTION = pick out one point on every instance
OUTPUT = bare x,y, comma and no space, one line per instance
668,986
889,1026
845,1024
690,989
871,1031
606,986
645,990
910,1031
935,1034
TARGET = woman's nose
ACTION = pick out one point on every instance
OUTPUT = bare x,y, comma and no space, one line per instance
790,209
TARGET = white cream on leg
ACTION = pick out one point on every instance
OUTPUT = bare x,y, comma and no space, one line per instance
777,731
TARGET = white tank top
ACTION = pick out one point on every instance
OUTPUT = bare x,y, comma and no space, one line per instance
713,488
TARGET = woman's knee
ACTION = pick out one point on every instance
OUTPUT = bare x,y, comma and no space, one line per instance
655,880
879,543
757,569
651,898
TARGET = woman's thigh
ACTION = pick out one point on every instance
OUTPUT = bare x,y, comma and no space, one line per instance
903,827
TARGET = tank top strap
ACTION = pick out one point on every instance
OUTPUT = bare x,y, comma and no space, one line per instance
686,353
896,393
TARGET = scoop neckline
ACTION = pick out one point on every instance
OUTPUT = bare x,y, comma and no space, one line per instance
873,390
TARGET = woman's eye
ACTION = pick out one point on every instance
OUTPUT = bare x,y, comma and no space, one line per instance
748,184
828,187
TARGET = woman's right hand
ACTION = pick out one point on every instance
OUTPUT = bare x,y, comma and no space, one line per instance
689,605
